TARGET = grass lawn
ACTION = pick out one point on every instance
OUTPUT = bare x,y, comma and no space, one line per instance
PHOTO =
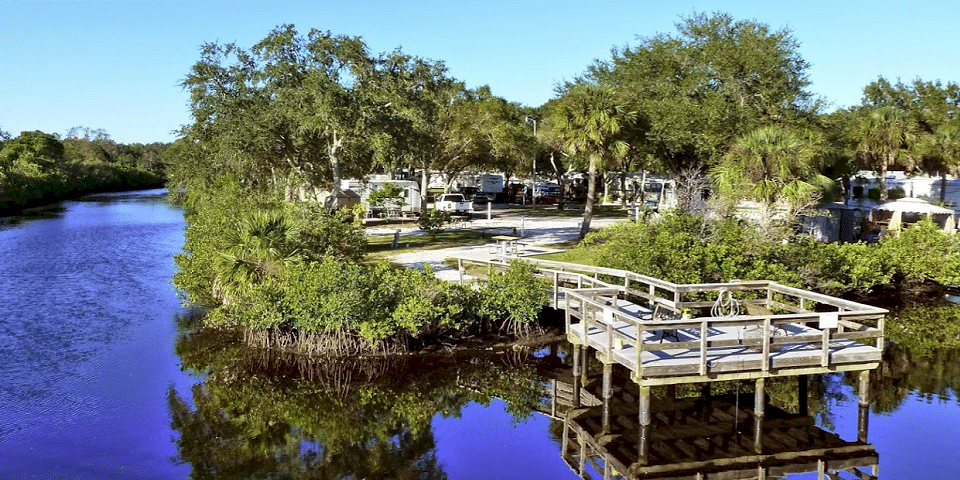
571,211
571,254
381,245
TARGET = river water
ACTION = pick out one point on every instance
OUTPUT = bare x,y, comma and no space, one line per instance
103,376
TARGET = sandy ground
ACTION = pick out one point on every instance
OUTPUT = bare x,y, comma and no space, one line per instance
539,231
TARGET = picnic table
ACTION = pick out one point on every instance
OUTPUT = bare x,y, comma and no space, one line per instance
508,244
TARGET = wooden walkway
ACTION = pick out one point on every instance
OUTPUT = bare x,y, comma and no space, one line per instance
667,333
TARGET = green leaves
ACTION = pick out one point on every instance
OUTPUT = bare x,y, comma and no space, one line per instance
769,165
686,249
516,295
924,252
713,80
433,221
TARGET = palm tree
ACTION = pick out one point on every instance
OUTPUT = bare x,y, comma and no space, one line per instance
943,145
769,165
258,246
591,120
886,137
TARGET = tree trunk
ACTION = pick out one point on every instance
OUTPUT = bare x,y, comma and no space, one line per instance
591,198
643,187
333,201
560,182
424,181
883,179
623,189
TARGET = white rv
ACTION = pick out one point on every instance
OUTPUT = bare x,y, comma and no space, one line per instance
408,204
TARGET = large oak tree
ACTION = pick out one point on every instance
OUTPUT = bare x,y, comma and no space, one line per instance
713,80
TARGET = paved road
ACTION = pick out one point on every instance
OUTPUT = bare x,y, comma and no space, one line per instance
538,231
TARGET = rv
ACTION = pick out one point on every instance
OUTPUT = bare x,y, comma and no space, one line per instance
407,204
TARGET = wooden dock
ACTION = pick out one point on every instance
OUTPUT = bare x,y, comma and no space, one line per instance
666,334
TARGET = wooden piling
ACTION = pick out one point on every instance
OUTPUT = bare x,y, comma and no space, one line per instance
802,383
863,416
607,394
759,406
643,451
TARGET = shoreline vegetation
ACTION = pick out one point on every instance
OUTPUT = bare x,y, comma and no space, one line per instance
38,168
293,278
685,248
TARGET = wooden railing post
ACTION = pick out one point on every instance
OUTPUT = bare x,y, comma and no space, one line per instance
766,345
638,346
880,338
703,347
825,356
556,288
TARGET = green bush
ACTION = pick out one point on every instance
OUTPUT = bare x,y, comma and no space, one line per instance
686,249
432,221
323,234
924,252
515,297
347,302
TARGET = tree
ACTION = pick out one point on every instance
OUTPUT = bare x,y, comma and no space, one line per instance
287,113
716,79
942,147
886,137
434,123
481,131
592,120
36,150
770,165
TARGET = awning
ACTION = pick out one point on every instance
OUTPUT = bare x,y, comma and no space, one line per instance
913,205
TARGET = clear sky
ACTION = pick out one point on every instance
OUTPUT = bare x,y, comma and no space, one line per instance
117,65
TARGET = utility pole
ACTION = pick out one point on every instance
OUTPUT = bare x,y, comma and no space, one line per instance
533,178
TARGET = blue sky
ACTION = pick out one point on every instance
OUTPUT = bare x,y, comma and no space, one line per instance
116,65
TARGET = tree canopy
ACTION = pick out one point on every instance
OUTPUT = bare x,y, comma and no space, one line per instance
715,79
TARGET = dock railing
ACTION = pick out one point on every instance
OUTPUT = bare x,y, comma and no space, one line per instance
594,294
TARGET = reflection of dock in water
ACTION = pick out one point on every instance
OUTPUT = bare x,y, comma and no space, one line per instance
708,437
698,439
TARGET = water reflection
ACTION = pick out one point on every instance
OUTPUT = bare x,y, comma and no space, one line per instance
921,358
694,439
701,433
264,414
260,414
32,214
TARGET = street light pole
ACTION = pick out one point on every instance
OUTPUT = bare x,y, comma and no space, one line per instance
533,178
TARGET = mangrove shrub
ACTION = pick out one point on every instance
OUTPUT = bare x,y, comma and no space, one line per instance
683,248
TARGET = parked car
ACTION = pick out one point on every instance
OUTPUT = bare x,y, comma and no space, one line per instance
480,201
454,203
469,192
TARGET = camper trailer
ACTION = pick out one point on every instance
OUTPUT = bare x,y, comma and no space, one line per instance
407,205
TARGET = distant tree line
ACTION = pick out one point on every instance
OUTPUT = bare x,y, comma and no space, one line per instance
38,168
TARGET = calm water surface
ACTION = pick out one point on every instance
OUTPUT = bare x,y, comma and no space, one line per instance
101,380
